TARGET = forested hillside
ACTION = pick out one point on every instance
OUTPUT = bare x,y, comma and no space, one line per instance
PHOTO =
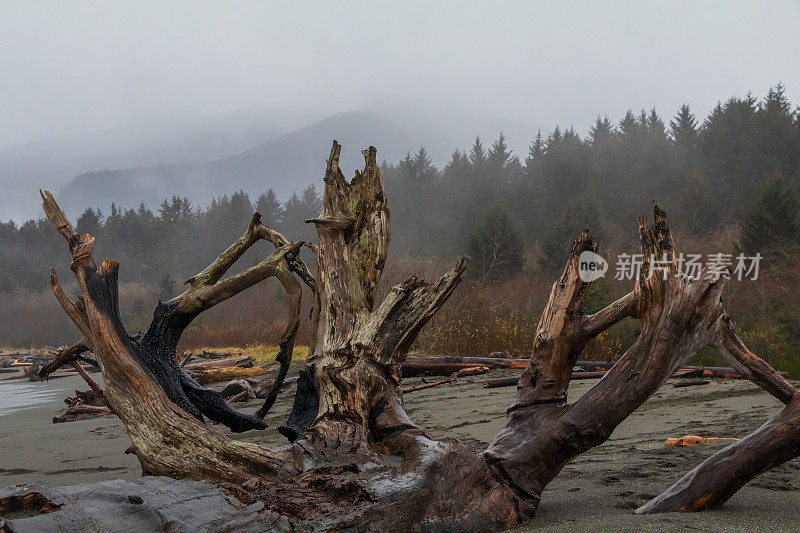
729,182
708,172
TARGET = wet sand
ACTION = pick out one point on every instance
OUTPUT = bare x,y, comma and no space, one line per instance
597,491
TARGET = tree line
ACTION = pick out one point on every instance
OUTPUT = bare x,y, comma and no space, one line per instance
739,165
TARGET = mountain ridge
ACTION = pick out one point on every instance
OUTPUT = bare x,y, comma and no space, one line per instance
286,164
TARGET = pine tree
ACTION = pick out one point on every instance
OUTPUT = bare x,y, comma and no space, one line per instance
683,128
499,156
310,202
458,164
477,155
600,132
556,244
535,150
90,221
629,125
422,166
773,222
166,288
655,128
495,247
270,208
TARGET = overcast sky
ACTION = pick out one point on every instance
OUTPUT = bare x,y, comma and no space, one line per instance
73,67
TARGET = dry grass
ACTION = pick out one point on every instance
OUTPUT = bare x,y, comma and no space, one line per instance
479,318
262,353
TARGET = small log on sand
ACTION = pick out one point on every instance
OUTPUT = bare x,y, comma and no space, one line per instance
83,406
694,440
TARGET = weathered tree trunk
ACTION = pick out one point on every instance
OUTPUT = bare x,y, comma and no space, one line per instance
678,315
348,421
719,477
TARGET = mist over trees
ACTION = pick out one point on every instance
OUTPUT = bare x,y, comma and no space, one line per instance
739,165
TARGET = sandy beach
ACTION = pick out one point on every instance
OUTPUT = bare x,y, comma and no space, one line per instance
598,491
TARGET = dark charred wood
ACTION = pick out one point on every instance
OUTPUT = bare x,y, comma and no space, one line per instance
304,409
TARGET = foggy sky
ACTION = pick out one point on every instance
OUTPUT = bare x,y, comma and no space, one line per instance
78,67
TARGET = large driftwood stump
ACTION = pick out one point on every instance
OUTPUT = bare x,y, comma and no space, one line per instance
357,460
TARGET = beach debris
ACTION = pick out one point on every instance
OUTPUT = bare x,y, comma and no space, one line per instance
599,368
83,406
464,372
224,373
48,363
216,370
241,390
694,440
446,365
509,381
689,373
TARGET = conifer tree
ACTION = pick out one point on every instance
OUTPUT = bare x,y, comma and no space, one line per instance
495,247
270,208
772,224
477,155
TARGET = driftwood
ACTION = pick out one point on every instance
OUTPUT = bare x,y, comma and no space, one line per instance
243,361
357,460
464,372
694,440
223,373
223,369
445,365
510,381
83,406
720,372
259,385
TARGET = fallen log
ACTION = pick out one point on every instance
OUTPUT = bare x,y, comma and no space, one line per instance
224,373
708,371
718,372
689,373
446,365
464,372
243,361
509,381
